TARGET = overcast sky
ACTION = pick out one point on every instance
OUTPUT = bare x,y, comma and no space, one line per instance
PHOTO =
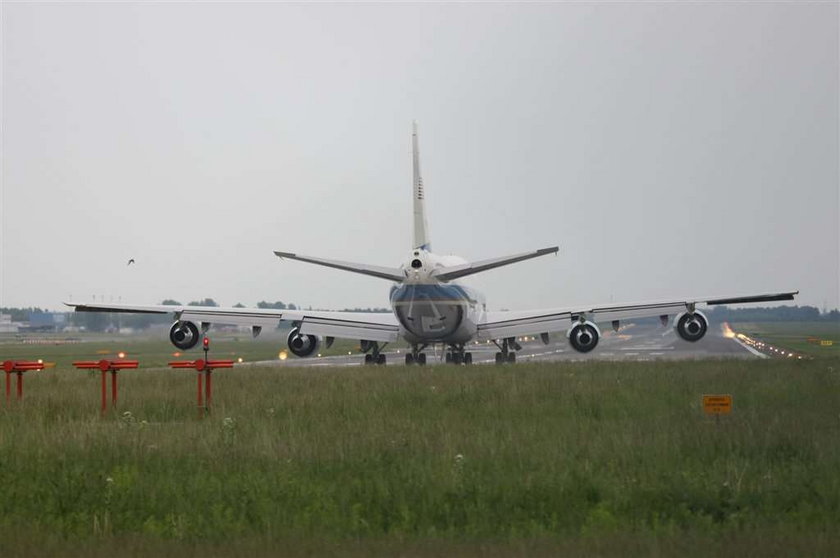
670,149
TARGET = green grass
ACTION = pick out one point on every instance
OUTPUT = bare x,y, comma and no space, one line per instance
587,458
801,337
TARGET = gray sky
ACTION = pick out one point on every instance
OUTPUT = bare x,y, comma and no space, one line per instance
670,149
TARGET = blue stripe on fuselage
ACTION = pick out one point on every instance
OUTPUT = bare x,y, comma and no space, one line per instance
448,293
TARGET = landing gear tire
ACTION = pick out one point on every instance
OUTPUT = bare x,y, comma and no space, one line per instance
372,352
506,354
421,359
409,359
448,358
467,358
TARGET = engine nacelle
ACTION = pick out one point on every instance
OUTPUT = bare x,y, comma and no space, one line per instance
184,335
691,326
302,345
583,337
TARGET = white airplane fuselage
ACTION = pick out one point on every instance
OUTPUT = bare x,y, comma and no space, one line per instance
432,311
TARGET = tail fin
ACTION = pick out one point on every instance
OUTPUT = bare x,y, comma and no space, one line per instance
421,238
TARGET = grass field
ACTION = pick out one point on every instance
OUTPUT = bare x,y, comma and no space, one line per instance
802,337
582,459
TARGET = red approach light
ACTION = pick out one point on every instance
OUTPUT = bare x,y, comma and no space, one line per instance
10,366
206,342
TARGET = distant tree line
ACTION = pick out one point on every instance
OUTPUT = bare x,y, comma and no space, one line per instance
276,305
205,302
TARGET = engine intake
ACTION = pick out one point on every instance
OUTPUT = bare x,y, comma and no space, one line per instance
184,335
302,345
583,337
691,326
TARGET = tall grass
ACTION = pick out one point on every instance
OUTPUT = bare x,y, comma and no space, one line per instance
410,456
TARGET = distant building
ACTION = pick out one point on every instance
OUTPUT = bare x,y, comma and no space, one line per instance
46,321
6,324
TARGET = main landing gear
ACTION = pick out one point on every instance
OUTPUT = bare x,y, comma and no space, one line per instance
507,350
373,354
457,355
416,356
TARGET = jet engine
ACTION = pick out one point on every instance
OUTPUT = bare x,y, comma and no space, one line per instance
691,326
302,345
184,335
584,336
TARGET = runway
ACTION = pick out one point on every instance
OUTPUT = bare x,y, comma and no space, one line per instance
634,343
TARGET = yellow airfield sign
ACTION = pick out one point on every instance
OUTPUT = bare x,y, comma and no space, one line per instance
717,404
826,342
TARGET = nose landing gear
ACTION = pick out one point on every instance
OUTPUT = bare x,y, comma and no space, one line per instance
416,356
457,355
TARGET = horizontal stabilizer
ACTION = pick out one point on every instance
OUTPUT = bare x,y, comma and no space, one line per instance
458,271
390,273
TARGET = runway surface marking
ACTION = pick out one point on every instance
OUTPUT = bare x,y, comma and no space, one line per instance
750,349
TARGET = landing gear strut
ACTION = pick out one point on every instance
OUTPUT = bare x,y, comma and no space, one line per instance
457,355
373,352
416,356
507,350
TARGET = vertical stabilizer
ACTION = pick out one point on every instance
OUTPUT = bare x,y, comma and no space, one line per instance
421,238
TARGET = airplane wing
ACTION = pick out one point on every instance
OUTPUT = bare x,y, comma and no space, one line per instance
500,325
371,326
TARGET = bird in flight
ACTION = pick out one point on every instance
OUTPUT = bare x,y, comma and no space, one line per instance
131,261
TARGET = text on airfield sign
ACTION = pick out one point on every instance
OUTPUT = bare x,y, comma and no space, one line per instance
717,404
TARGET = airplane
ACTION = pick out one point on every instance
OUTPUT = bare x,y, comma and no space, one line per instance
431,307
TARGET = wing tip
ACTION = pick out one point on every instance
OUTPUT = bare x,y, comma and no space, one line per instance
773,297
